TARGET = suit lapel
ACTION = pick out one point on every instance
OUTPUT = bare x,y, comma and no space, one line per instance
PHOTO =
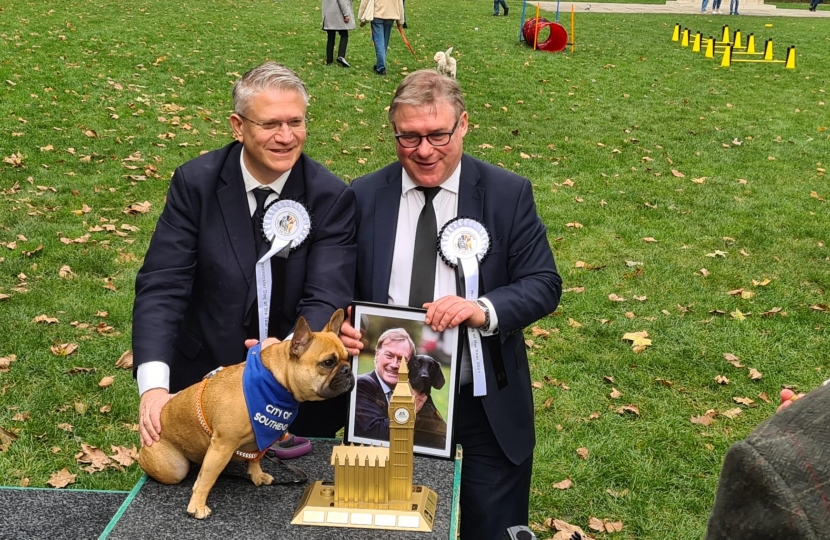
233,203
387,204
470,192
294,187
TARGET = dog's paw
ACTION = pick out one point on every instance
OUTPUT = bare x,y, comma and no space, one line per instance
199,512
262,478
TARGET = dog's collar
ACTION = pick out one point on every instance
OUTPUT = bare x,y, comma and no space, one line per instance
250,456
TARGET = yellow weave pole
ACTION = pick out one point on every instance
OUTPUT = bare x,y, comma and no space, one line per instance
536,32
573,29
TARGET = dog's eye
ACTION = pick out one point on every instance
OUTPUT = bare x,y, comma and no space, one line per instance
328,363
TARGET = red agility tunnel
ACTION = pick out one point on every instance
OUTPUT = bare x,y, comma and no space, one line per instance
557,38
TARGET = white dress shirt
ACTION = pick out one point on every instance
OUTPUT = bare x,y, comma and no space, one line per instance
156,374
446,208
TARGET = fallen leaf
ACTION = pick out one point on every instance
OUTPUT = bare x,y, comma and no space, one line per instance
615,394
720,379
125,361
614,298
106,381
573,323
617,494
743,400
124,456
732,413
649,240
564,484
631,409
754,374
539,332
64,349
582,452
677,174
44,319
764,397
94,456
596,524
62,478
66,272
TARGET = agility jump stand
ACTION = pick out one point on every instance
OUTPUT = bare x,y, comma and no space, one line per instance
789,62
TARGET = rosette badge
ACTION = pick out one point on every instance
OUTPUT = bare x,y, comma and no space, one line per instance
463,238
286,223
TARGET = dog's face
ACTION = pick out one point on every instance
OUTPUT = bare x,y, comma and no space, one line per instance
317,365
425,374
439,56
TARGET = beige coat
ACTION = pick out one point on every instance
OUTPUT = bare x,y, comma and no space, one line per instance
380,9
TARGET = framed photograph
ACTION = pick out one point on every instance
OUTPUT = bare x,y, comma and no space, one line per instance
391,334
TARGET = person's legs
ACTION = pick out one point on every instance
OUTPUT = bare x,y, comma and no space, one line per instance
330,46
504,6
495,7
703,6
341,51
387,33
495,493
380,45
716,6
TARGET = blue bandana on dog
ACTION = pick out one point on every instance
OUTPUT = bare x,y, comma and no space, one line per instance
270,406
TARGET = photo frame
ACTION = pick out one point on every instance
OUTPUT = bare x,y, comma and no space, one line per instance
432,375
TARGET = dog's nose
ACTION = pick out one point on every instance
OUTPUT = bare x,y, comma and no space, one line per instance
345,370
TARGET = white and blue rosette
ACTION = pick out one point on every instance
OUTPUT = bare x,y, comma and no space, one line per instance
286,225
463,244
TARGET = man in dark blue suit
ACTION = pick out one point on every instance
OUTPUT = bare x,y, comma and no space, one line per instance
195,302
519,284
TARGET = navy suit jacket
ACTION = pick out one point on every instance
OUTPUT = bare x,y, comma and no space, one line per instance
519,277
195,287
371,408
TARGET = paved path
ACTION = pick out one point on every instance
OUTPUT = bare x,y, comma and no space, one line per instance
680,7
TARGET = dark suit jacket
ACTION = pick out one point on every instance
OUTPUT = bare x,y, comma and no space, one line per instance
371,408
194,289
519,276
775,484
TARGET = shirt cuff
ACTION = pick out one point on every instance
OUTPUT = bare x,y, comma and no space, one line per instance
152,375
494,319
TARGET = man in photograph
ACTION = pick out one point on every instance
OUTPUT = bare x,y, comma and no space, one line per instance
374,390
519,285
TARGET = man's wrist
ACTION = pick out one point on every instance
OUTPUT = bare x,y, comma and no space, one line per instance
486,309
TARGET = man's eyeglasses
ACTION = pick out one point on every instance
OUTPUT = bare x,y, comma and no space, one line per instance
435,139
295,125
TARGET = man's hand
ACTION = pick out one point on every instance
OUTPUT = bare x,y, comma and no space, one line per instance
349,336
420,400
450,311
787,398
149,414
346,18
265,344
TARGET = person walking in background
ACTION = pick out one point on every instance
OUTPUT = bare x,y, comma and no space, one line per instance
733,7
382,14
716,7
814,4
704,4
338,17
496,7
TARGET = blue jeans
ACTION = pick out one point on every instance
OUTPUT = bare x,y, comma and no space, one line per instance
381,30
703,7
716,5
496,6
733,7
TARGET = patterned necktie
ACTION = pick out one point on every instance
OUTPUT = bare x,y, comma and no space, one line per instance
422,285
261,194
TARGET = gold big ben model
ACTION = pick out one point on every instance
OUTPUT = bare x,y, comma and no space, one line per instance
372,486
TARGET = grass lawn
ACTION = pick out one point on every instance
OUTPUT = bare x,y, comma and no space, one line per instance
682,199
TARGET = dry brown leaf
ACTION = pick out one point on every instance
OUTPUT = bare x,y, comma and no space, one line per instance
596,524
137,208
677,174
62,478
720,379
743,401
615,394
106,381
732,413
66,272
617,494
573,323
104,409
754,374
574,225
614,298
64,349
564,484
582,452
80,407
649,240
124,456
703,420
6,362
764,397
66,427
631,409
21,417
94,456
539,332
44,319
125,361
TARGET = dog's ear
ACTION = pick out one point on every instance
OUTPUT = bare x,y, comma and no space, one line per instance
302,337
436,375
335,322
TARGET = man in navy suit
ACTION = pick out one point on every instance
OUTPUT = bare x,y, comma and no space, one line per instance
195,302
519,284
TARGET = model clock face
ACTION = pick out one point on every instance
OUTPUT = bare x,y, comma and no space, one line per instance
401,415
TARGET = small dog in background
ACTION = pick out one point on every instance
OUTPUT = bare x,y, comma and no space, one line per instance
446,63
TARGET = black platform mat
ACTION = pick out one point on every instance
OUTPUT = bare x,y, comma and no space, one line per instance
56,514
242,510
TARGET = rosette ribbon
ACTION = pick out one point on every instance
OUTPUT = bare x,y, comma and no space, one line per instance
285,225
463,244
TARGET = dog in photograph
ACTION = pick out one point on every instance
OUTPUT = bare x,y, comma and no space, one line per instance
425,374
446,63
238,411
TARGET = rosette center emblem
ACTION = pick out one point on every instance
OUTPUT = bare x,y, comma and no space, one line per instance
286,223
